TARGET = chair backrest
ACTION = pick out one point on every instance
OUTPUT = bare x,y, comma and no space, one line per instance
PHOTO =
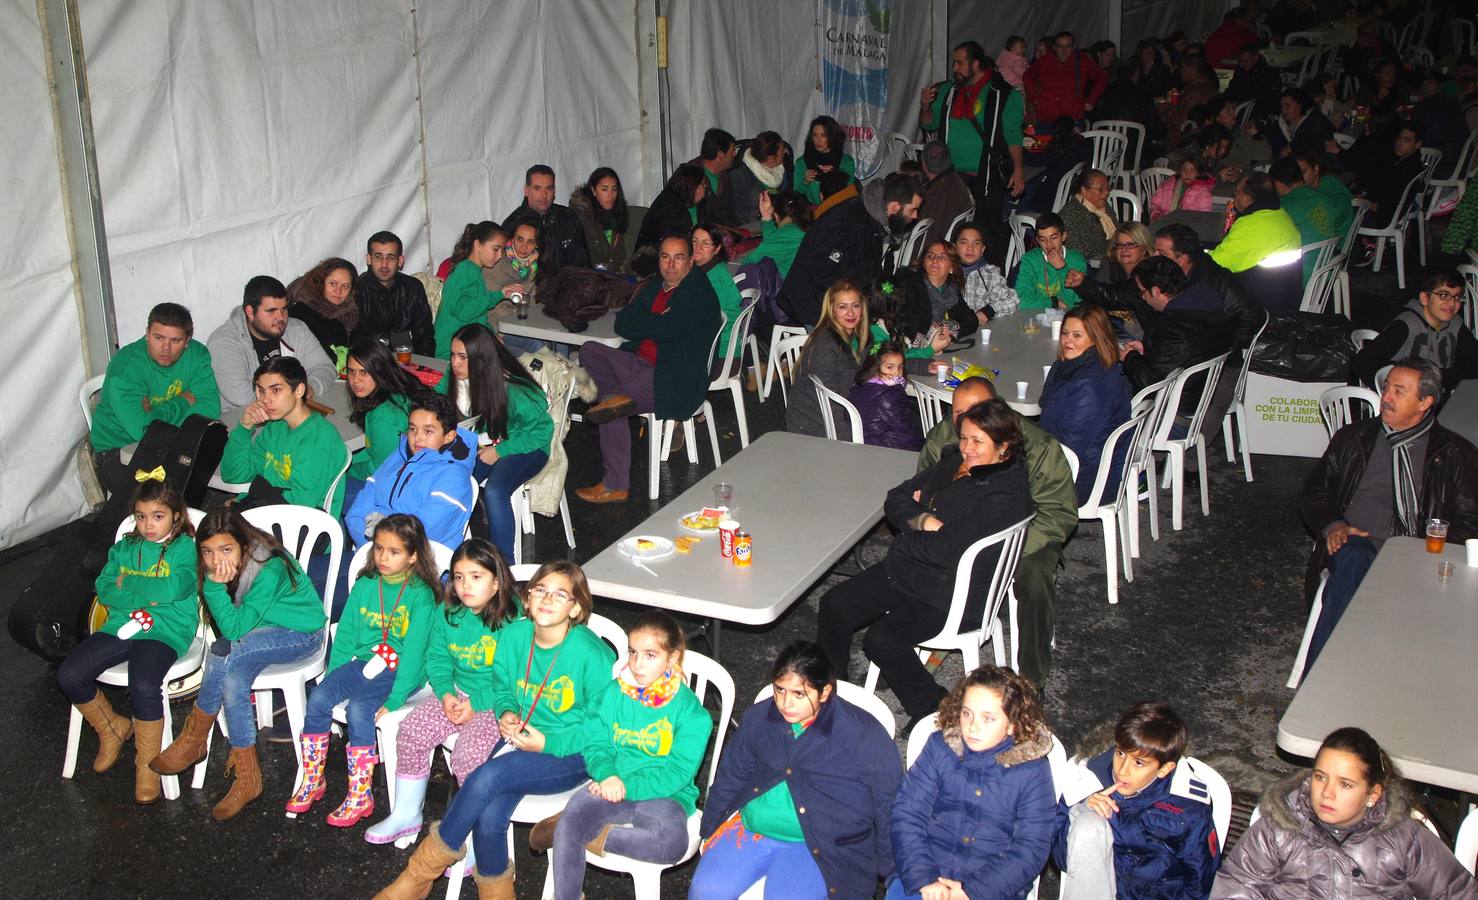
1460,168
84,396
1321,284
1244,112
1462,42
440,553
609,632
856,695
1322,251
1241,390
333,487
1128,432
932,403
1360,336
789,349
471,505
1345,141
736,344
1150,179
300,529
1065,186
914,244
959,220
1470,276
825,397
1212,370
1466,846
703,673
1108,150
1016,249
1157,397
1431,156
1362,208
1345,404
1125,205
1072,460
1010,540
1198,781
1307,38
126,525
1133,135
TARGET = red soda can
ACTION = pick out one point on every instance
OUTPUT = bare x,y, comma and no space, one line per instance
743,548
726,530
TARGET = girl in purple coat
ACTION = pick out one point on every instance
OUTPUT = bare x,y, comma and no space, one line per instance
881,398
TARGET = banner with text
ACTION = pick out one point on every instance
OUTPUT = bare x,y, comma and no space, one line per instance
852,48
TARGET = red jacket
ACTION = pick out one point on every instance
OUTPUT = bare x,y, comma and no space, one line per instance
1227,41
1056,88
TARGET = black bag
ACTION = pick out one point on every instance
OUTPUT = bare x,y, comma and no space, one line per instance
1303,346
51,616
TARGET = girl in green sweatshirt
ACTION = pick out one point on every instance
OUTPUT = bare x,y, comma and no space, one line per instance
148,587
477,602
379,397
266,612
644,740
378,660
547,670
465,298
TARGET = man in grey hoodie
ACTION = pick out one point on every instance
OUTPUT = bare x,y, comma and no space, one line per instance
257,332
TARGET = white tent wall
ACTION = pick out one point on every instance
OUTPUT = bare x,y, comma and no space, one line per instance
1157,18
990,22
40,419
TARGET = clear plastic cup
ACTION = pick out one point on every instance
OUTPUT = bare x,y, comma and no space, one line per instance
723,495
1021,390
1444,571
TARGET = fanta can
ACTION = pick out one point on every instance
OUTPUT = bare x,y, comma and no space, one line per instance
743,548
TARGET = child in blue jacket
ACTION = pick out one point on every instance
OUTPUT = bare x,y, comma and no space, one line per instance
881,397
1164,846
976,812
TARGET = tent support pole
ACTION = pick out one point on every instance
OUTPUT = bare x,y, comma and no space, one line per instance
650,98
71,107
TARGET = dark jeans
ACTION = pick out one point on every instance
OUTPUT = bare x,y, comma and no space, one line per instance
499,481
148,662
365,697
653,831
1347,569
990,215
1035,585
485,804
618,372
898,623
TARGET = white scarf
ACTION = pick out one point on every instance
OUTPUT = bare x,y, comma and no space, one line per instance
769,176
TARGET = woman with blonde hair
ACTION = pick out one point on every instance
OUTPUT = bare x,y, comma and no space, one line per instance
834,353
1129,245
1085,396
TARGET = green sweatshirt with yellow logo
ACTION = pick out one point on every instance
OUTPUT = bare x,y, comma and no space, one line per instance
372,615
157,578
278,596
383,427
460,654
577,670
303,461
133,377
655,751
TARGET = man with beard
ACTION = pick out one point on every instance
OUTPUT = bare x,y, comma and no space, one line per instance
390,302
979,119
564,236
258,331
848,242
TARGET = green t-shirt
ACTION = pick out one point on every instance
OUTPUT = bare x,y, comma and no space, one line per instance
781,243
572,673
1318,217
372,614
1037,283
772,813
812,191
158,579
281,596
383,427
465,300
460,655
303,461
655,751
963,140
120,418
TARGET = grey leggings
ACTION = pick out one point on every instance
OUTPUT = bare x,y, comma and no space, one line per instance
648,830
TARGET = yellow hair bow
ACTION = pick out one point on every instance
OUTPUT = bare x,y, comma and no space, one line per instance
141,476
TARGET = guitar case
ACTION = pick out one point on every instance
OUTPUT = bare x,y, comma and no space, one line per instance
53,615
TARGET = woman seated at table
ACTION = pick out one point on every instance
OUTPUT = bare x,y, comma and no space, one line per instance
710,257
1087,216
1129,245
826,144
833,352
380,393
944,286
978,487
1041,282
600,205
323,299
1344,829
663,366
466,299
784,218
674,211
804,793
1085,396
987,292
760,171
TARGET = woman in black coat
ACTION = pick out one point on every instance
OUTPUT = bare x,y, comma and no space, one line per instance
673,212
977,488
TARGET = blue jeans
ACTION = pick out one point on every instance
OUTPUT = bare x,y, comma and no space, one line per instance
148,662
485,804
1347,569
365,697
499,481
649,830
737,858
520,345
228,679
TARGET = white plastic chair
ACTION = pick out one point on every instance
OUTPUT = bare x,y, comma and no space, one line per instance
117,676
1462,42
733,368
1065,186
84,396
1395,231
523,513
1456,183
1236,416
1361,336
1431,156
778,334
1112,512
1322,251
1133,134
1300,659
1321,286
1196,779
787,351
1470,276
933,403
1125,205
1072,460
1466,846
1342,296
825,396
912,245
1109,147
1345,141
1151,178
333,487
1142,461
1178,447
958,222
659,431
967,642
1340,404
300,529
1016,248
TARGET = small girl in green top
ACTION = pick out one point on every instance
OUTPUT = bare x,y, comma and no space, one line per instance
148,587
644,740
476,604
465,298
378,659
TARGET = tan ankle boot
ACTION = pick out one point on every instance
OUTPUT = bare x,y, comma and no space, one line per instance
147,738
112,729
248,784
541,836
495,887
187,749
432,857
597,844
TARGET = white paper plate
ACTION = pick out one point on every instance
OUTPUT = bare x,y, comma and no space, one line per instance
661,548
685,527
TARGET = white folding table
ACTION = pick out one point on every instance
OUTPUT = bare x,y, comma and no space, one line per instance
1018,355
541,327
1460,414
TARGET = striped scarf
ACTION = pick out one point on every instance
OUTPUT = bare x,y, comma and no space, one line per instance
1403,474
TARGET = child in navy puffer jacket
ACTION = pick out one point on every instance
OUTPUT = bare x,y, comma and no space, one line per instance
881,398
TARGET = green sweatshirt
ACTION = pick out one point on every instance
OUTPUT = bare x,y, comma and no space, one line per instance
383,427
655,752
460,654
162,583
1037,282
530,427
880,336
132,377
772,813
729,301
303,461
281,596
813,190
372,610
780,243
1318,217
581,666
465,300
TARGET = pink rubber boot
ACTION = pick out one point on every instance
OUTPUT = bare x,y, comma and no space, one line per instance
360,802
311,788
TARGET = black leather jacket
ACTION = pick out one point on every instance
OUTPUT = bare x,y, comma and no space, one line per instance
1243,313
399,308
564,237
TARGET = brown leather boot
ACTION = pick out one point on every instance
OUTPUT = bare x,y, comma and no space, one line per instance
597,844
541,836
432,857
495,887
147,738
187,749
616,406
248,784
112,729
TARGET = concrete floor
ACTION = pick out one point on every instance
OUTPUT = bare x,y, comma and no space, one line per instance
1210,623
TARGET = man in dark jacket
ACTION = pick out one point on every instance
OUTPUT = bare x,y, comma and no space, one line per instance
390,302
1257,81
945,194
564,236
848,242
1386,184
1190,326
716,157
1382,478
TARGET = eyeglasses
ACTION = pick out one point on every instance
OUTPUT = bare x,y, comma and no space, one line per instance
539,592
1125,245
384,257
936,257
1448,296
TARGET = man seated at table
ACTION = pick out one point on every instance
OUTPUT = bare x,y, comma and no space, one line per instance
282,449
1056,502
716,157
945,193
1428,328
1257,81
391,302
564,236
1190,327
164,376
662,368
1317,216
258,331
1385,477
1300,124
1386,184
1261,229
848,242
